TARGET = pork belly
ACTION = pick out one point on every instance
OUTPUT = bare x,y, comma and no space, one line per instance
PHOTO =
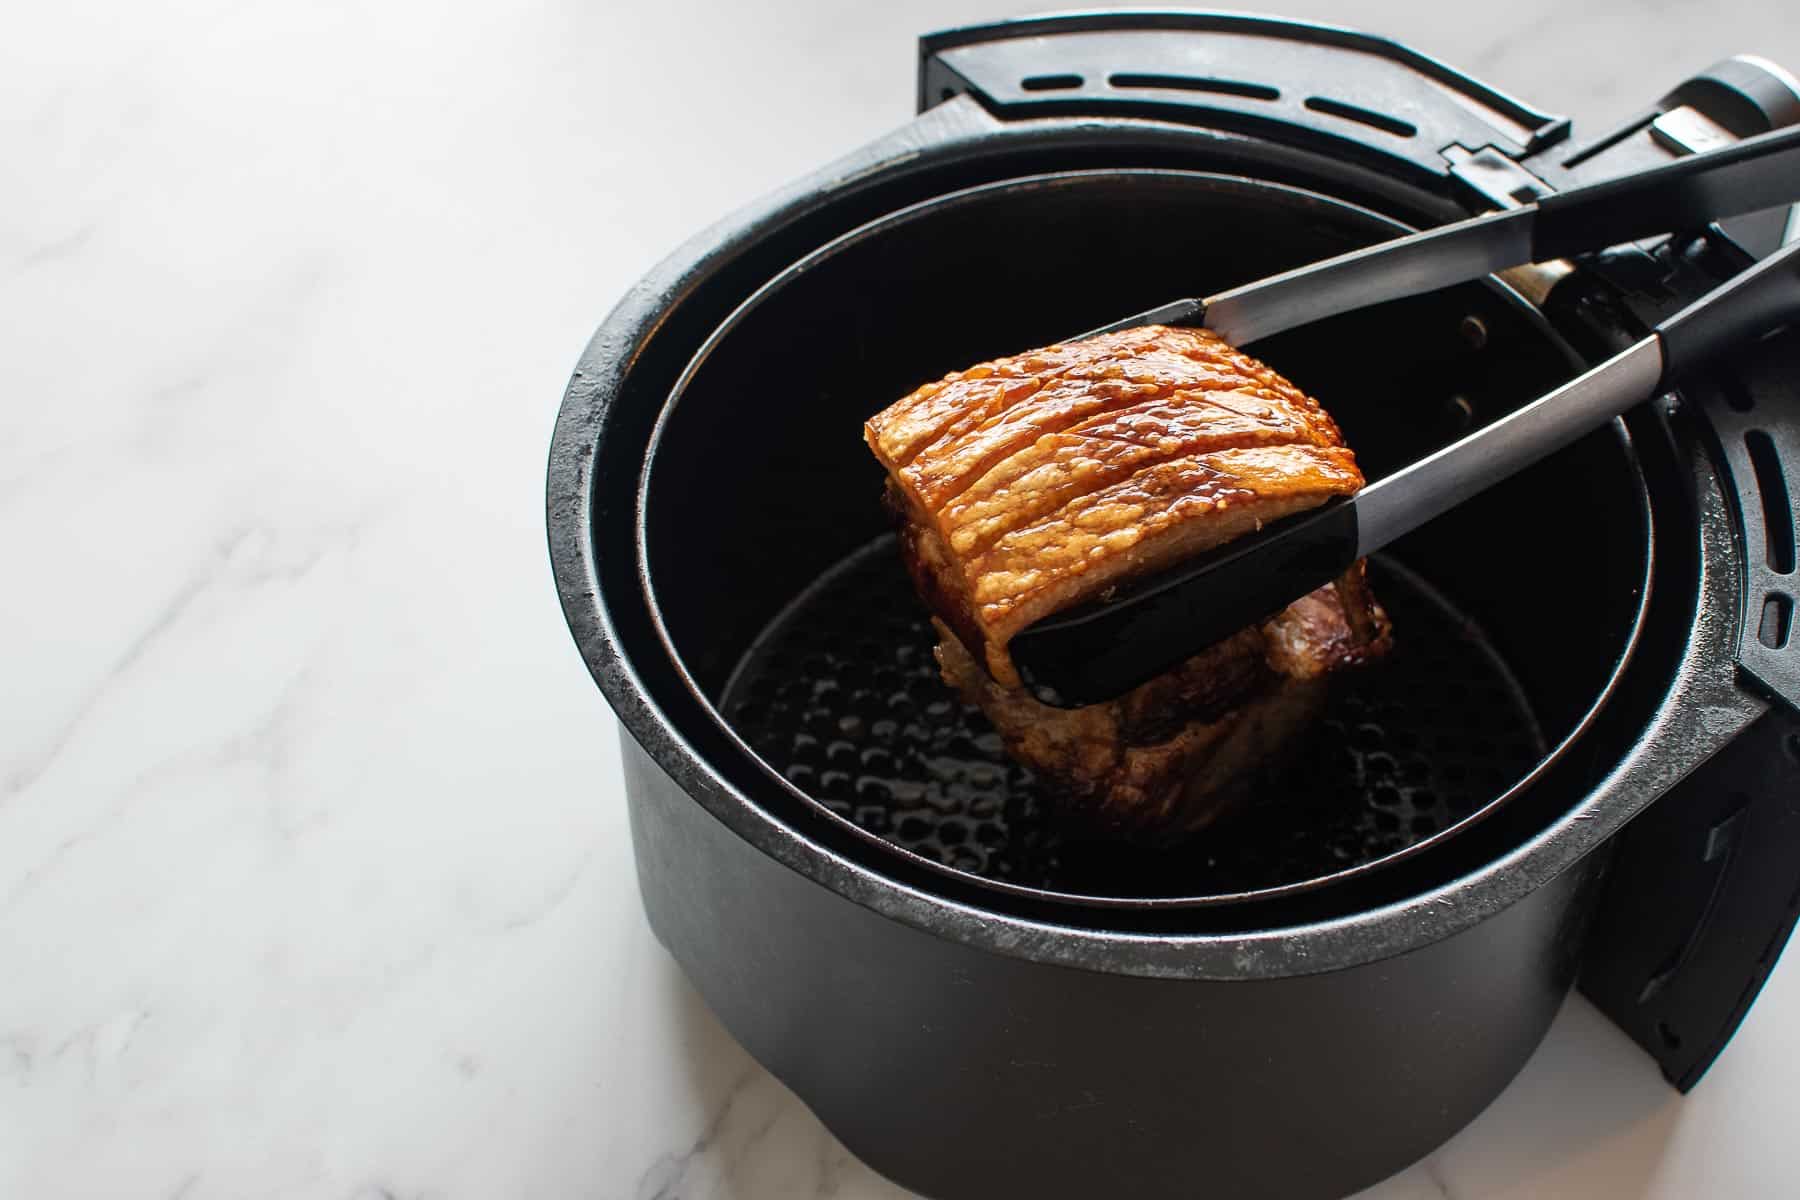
1031,484
1171,755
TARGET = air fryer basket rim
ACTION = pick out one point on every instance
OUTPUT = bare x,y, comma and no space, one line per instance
946,202
959,132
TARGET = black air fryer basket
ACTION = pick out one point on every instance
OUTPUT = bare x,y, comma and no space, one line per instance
1580,766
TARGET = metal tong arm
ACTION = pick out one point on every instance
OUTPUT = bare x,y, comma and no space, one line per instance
1101,650
1756,173
1750,304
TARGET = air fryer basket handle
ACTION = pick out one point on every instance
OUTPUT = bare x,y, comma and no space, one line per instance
1703,894
1383,103
1704,884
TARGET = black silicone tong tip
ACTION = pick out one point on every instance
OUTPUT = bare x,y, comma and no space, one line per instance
1102,649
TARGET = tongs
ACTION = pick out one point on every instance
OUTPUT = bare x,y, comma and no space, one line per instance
1102,649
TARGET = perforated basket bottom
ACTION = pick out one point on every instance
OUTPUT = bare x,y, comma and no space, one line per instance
841,695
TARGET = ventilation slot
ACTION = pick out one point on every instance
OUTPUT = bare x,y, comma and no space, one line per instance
1362,116
1777,621
1736,394
1197,83
1050,83
1778,515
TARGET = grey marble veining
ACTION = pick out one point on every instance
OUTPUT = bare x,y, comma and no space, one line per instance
314,879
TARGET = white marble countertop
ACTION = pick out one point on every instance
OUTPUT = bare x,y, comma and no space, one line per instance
314,879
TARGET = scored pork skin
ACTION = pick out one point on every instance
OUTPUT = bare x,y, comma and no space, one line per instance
1029,484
